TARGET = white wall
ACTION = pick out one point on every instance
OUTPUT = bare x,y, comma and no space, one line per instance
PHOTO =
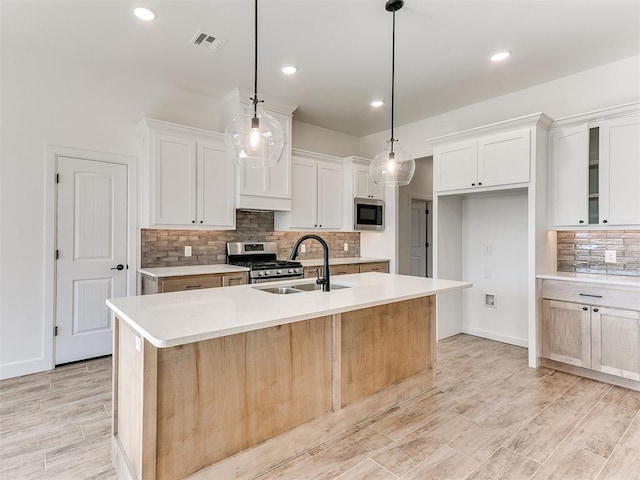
499,222
605,86
318,139
48,103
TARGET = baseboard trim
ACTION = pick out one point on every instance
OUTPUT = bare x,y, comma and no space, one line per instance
476,332
27,367
592,374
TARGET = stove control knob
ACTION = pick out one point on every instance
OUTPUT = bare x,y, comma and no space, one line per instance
267,272
278,271
292,270
297,270
260,273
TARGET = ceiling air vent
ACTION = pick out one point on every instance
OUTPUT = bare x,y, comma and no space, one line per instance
210,42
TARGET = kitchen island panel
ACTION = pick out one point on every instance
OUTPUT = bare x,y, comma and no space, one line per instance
221,396
383,345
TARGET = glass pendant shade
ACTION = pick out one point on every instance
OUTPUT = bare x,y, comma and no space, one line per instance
255,141
393,169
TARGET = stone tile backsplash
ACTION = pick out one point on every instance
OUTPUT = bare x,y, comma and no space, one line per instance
583,252
165,248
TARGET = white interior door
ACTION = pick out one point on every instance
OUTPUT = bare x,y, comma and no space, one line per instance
91,243
418,239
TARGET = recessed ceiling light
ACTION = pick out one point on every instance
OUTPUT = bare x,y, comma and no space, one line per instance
499,56
289,69
377,103
145,13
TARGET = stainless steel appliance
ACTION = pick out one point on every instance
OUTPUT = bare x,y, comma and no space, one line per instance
368,214
261,259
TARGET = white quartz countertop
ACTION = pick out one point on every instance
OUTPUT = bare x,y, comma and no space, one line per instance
621,280
318,262
178,318
158,272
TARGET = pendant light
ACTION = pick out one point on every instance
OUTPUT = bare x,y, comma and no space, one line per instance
255,139
393,167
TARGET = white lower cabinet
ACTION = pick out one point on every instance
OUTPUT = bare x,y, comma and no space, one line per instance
186,178
592,335
316,201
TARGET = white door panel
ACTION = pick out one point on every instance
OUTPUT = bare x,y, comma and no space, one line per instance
418,239
91,241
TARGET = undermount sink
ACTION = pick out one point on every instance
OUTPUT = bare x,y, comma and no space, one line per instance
302,287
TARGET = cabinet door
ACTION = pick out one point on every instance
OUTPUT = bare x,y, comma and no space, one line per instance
361,187
569,176
616,342
566,333
231,279
329,195
620,171
304,202
174,180
455,167
375,267
504,159
273,181
215,185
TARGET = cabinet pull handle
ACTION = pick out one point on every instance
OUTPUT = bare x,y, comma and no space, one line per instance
473,184
585,308
604,221
193,221
595,310
581,221
192,286
589,295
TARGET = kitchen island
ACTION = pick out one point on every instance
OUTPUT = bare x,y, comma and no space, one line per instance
203,378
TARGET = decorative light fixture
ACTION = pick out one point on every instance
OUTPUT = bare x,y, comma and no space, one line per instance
145,13
255,139
393,167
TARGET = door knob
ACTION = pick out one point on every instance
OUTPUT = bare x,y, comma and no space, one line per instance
117,267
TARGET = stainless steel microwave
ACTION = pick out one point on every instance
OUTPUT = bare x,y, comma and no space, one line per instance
368,214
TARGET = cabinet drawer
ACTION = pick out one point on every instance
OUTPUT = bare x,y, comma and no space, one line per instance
235,279
374,267
343,269
592,294
191,282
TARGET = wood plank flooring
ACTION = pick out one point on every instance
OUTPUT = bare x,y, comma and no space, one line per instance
489,417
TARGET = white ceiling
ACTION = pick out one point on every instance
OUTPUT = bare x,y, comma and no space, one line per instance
342,48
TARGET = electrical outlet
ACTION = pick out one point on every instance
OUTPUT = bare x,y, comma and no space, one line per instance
487,248
187,251
609,256
303,248
346,247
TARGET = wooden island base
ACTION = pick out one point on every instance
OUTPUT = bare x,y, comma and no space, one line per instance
205,409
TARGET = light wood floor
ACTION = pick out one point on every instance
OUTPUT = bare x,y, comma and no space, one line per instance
489,417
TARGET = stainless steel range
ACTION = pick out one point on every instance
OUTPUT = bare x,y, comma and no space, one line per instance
261,259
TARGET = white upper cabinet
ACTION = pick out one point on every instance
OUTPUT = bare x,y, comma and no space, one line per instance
264,188
620,171
485,161
569,176
363,185
316,193
595,170
357,183
186,178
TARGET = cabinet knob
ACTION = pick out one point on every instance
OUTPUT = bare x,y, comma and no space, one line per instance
320,225
595,309
201,221
193,221
479,183
473,184
604,221
581,221
585,308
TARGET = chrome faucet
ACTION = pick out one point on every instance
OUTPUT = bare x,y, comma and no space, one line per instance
324,281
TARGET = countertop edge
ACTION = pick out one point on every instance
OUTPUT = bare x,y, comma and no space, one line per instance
622,281
159,343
